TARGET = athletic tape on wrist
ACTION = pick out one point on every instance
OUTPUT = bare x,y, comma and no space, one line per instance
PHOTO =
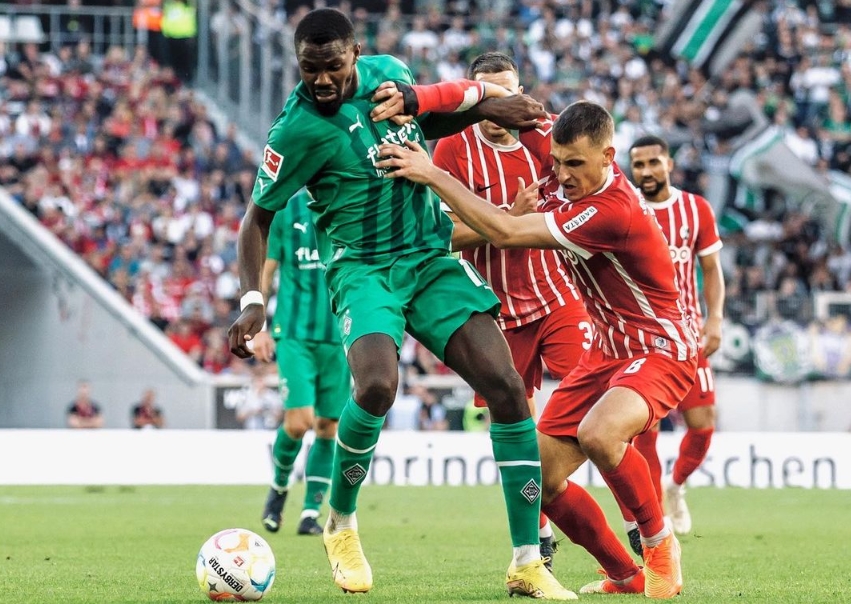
250,297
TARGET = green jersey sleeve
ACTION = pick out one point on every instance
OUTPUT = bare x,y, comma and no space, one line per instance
294,154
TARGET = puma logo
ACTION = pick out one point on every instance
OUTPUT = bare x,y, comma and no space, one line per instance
300,226
356,125
483,188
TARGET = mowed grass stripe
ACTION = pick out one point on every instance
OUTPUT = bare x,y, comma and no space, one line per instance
425,544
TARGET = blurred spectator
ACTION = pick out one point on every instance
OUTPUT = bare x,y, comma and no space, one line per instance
116,156
146,414
83,412
432,414
260,406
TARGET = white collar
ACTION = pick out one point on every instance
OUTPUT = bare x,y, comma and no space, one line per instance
662,205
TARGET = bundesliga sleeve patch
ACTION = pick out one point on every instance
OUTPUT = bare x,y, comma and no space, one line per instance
272,161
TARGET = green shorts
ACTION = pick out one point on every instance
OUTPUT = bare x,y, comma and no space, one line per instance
429,294
313,374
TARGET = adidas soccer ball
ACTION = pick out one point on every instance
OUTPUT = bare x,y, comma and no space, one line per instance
235,564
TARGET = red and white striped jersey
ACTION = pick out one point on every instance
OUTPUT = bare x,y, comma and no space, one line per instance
689,225
620,263
529,283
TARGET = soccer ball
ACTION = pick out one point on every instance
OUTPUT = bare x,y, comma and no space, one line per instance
235,564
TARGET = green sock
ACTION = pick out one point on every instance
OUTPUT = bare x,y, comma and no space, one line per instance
515,449
357,435
283,455
317,473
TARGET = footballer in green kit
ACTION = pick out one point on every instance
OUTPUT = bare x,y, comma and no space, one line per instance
314,376
385,245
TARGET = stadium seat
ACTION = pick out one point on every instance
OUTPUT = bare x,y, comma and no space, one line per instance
5,28
28,29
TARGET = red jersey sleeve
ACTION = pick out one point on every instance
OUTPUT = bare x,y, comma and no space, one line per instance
589,227
708,240
448,97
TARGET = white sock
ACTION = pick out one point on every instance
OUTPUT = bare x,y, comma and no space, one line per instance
309,514
657,538
545,531
338,522
526,554
629,525
281,490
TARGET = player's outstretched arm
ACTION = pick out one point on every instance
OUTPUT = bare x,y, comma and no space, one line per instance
251,254
449,107
465,238
499,227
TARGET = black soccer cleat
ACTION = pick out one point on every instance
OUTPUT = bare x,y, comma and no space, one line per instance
273,509
548,547
309,526
635,542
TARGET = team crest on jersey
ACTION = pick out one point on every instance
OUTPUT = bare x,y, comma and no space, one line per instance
347,325
660,343
685,231
272,161
580,219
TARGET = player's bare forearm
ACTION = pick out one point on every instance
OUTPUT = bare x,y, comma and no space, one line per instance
251,254
714,293
251,246
488,221
463,237
519,111
492,223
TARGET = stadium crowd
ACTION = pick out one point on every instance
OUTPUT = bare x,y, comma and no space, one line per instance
119,160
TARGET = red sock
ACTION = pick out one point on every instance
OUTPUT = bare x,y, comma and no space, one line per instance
646,445
627,515
693,450
630,482
580,518
542,521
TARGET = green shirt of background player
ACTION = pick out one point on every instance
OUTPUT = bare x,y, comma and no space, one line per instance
314,376
385,245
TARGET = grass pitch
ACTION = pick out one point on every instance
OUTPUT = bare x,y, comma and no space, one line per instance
78,545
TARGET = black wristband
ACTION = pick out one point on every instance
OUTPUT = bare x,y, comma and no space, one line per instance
412,104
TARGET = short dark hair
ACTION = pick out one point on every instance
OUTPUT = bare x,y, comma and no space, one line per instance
492,62
648,141
322,26
584,118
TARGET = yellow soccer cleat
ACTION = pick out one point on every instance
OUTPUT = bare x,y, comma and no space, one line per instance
630,585
535,581
662,571
349,567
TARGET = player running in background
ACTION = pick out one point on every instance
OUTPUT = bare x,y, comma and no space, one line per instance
689,225
385,245
542,316
645,350
314,376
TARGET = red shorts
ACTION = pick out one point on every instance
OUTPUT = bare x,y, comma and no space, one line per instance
702,393
660,380
559,339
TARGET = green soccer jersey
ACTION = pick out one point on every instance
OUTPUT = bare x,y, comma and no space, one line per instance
303,311
358,213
